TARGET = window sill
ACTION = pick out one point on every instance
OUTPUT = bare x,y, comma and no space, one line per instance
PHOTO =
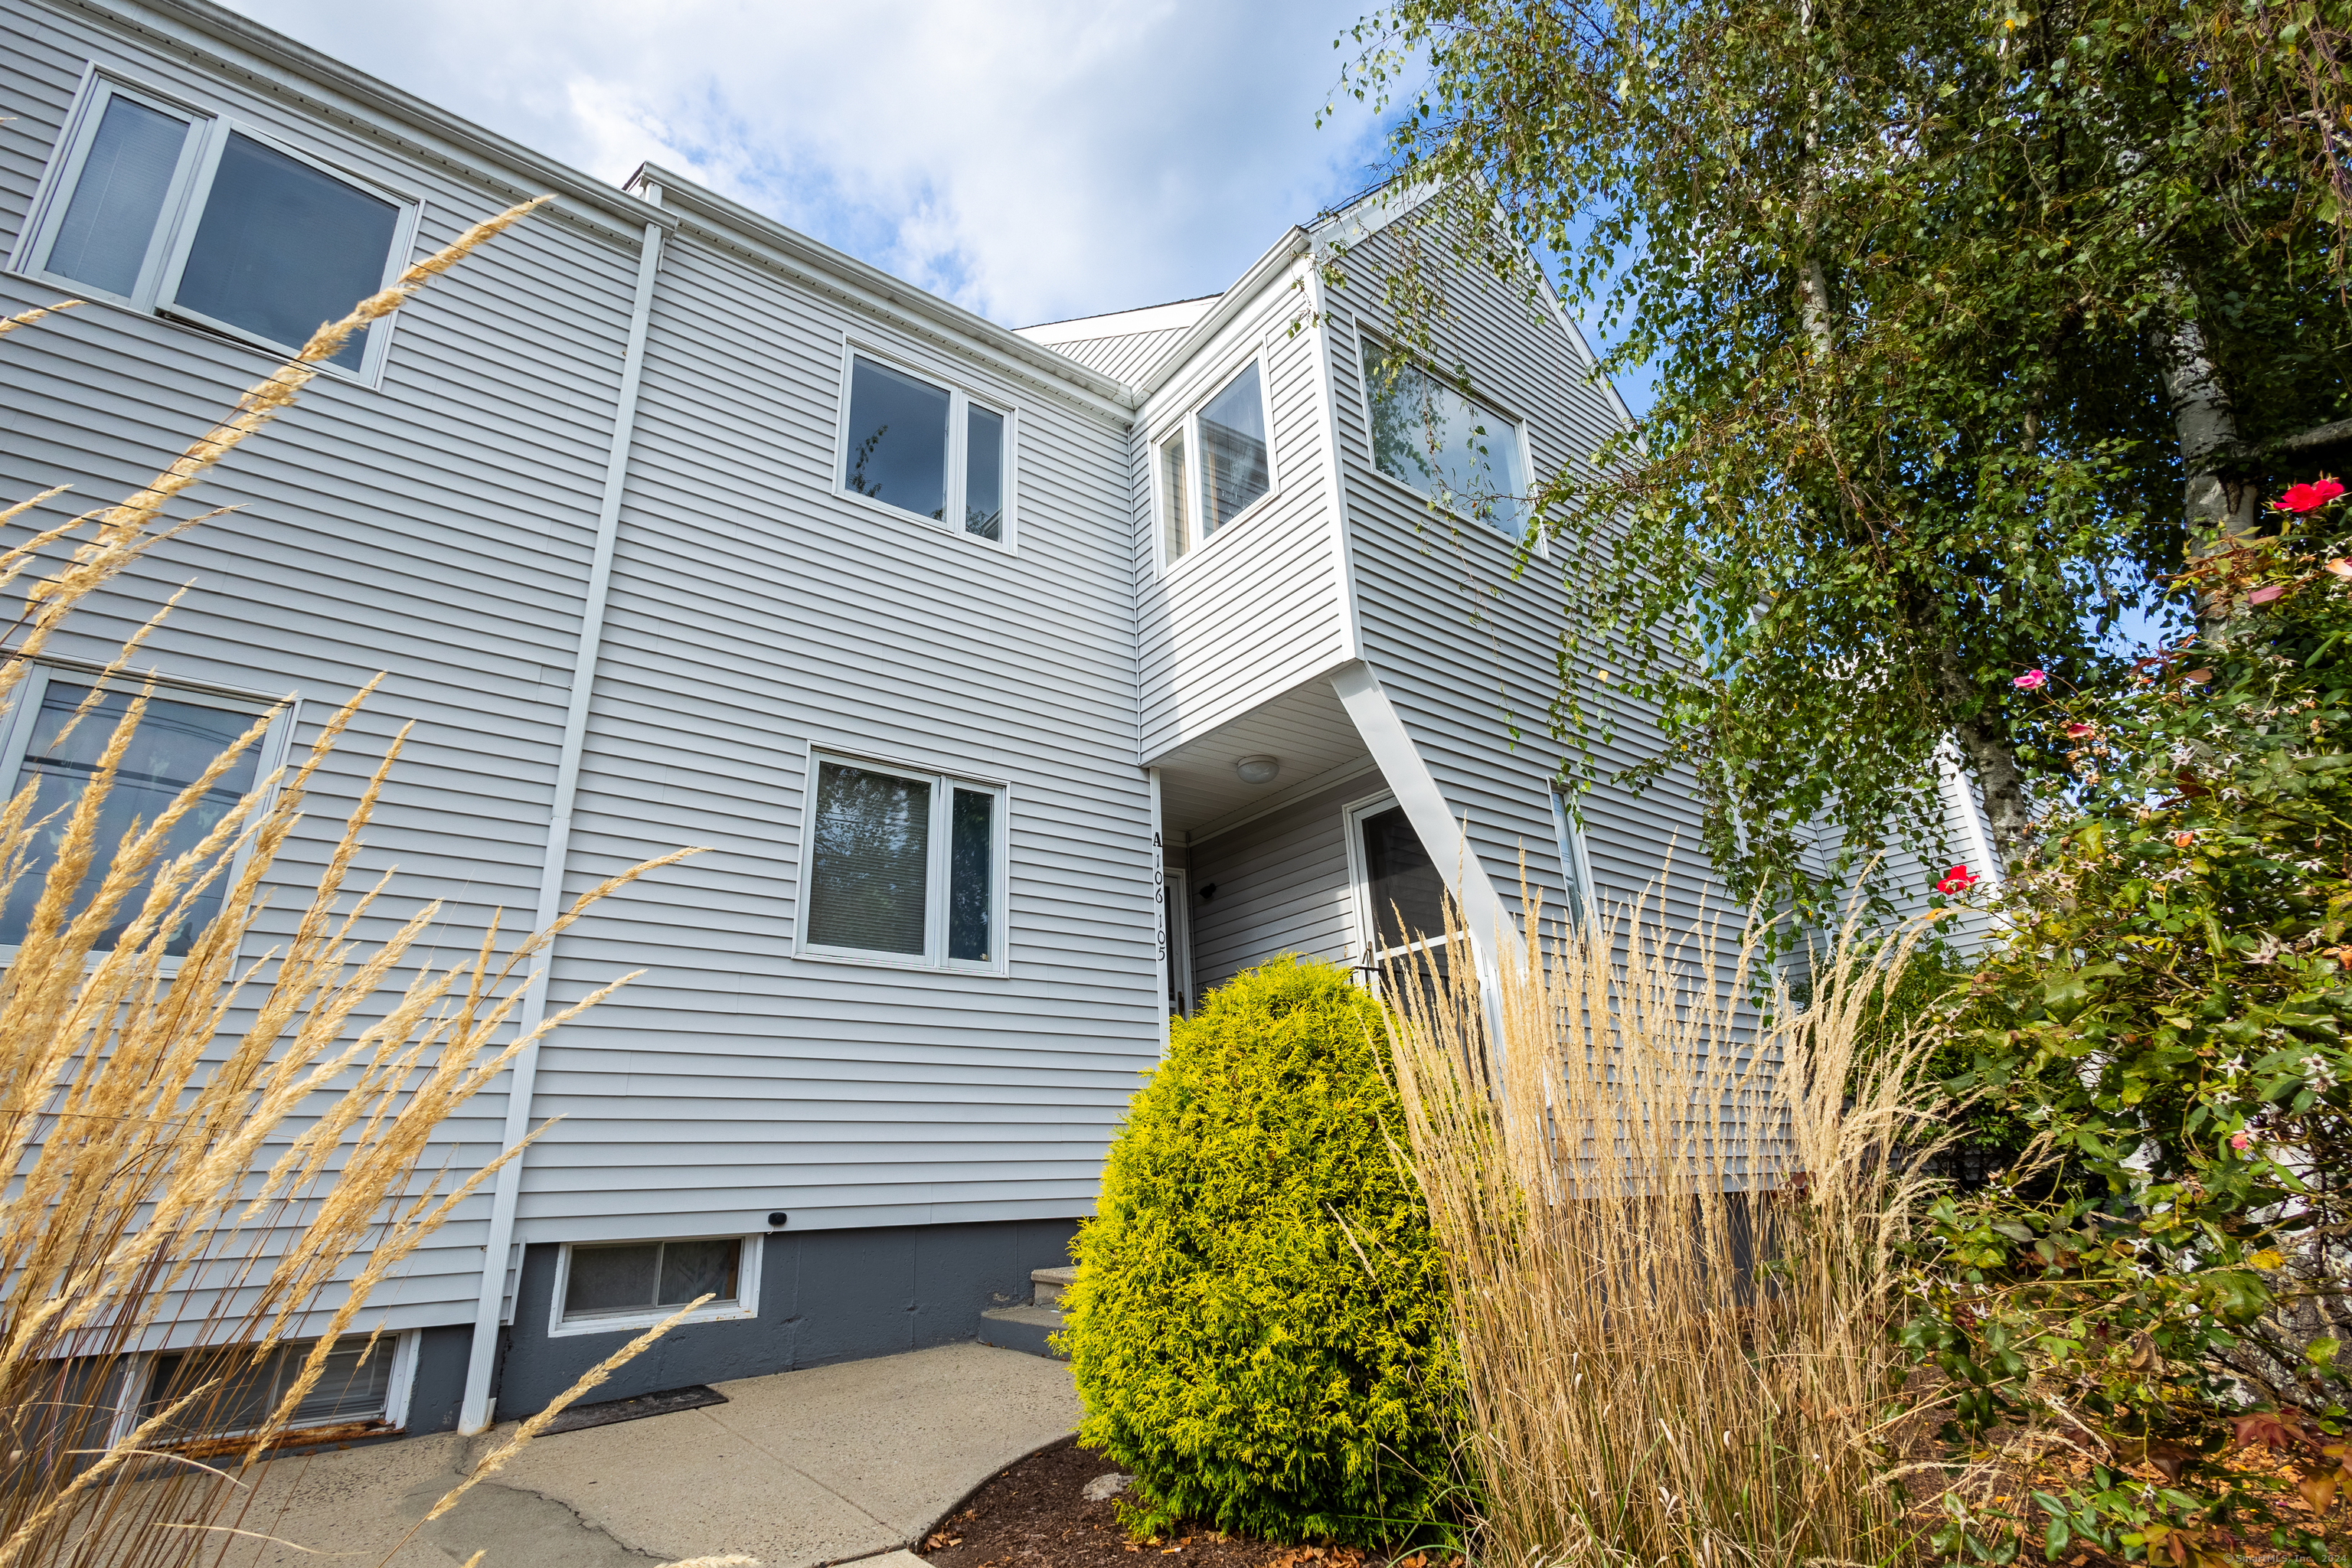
922,520
889,961
1242,520
195,329
628,1322
1429,508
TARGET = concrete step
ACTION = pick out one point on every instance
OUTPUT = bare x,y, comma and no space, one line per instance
1021,1329
1046,1285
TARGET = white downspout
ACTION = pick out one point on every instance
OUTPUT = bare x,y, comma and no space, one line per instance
475,1414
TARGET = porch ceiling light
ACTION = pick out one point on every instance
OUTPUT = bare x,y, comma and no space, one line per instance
1257,770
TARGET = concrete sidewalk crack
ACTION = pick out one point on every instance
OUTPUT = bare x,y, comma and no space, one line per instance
758,1448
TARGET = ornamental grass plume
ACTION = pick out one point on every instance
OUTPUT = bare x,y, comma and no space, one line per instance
218,1150
1671,1225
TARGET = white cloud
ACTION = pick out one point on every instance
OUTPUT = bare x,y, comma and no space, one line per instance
1032,160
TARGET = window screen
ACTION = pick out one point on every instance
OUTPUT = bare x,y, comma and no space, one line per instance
898,440
1406,889
283,248
1461,455
174,743
110,225
983,478
871,854
644,1276
1232,452
354,1385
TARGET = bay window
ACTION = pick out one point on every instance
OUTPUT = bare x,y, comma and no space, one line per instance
1215,464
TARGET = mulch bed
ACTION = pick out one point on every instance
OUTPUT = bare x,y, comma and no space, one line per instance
1036,1514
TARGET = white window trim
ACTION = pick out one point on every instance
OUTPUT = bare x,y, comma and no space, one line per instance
175,224
269,753
944,782
401,1386
746,1304
1363,960
959,401
1195,477
1537,542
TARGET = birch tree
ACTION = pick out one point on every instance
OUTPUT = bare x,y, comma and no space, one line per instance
1969,323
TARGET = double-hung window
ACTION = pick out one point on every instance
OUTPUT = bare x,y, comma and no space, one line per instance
1458,452
927,449
1215,464
901,866
186,213
53,741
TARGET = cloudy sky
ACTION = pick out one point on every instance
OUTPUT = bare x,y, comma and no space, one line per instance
1031,159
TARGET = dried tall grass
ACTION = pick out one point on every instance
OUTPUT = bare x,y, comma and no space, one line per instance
1670,1224
209,1151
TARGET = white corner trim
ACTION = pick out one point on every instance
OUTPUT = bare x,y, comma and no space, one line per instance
1492,930
474,1413
1335,470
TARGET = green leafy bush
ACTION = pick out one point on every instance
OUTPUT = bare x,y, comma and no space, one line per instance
1259,1326
2170,1014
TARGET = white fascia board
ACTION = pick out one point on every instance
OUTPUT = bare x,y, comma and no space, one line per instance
1229,304
184,26
730,222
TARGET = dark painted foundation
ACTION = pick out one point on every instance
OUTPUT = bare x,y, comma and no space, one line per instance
826,1295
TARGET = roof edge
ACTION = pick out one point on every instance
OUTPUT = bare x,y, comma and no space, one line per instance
1295,242
217,22
724,212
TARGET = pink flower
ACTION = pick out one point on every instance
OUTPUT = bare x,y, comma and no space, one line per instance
2076,732
2308,498
2239,1140
2341,566
2032,680
2264,595
1959,879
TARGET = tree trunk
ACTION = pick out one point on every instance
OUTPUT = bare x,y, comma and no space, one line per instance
1985,748
2217,500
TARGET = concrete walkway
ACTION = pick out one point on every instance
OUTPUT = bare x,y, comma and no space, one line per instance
795,1470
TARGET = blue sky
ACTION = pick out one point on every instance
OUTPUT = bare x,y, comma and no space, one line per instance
1031,160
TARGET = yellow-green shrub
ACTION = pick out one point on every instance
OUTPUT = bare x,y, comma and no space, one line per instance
1260,1327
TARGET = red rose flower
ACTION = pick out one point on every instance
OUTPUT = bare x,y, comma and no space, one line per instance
1959,879
2308,498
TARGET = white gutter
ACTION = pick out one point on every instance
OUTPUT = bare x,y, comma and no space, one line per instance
475,1414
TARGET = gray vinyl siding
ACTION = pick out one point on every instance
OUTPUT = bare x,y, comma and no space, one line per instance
437,528
1257,608
754,614
1125,357
1282,884
1467,652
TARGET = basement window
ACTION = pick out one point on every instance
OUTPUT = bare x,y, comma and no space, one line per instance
600,1286
904,868
925,449
177,211
365,1383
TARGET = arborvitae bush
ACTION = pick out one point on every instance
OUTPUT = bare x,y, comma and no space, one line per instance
1260,1326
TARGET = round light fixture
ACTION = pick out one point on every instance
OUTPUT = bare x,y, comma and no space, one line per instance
1257,770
